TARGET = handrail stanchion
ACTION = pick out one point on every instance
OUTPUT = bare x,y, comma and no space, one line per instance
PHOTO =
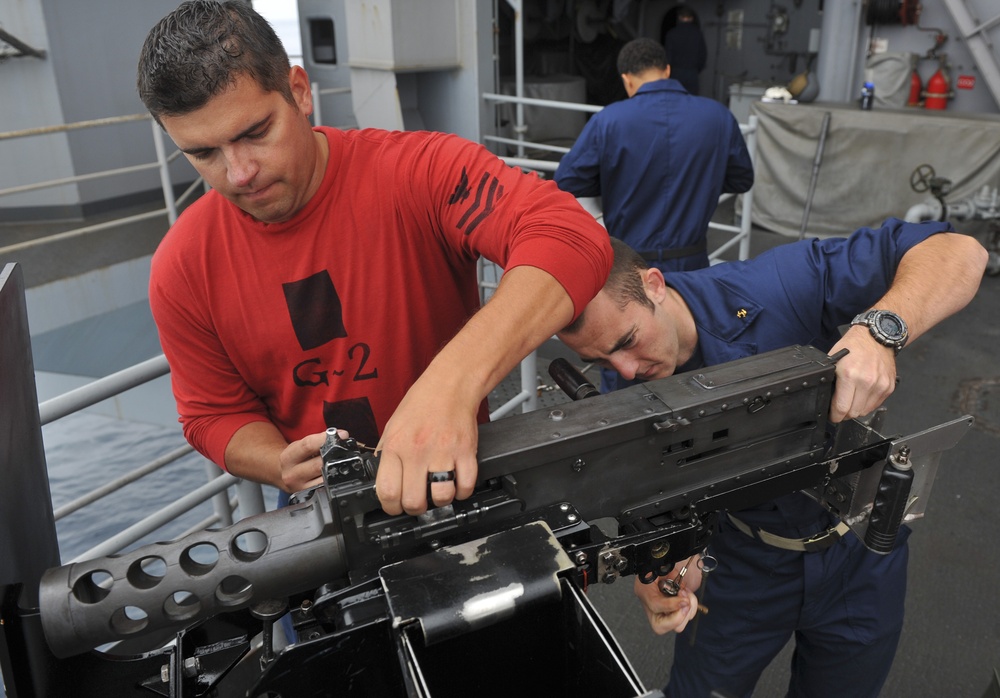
529,381
251,497
745,222
317,106
220,502
168,187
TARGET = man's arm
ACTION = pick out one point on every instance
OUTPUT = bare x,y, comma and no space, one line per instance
556,257
867,375
579,170
934,280
434,428
259,452
739,167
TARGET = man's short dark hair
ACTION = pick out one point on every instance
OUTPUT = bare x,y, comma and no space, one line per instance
624,284
639,55
200,49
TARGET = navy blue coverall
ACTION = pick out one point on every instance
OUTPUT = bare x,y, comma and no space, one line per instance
844,604
659,161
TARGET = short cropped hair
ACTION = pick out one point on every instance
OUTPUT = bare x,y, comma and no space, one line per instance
624,284
200,49
639,55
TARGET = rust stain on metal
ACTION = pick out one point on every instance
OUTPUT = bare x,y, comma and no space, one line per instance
981,399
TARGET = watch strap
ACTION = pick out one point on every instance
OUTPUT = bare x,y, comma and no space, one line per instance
869,318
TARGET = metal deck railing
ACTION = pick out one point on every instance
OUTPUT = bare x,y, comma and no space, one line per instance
247,497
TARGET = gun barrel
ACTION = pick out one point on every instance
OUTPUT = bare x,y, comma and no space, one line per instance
167,586
572,382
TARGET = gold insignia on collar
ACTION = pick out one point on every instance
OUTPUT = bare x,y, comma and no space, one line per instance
741,313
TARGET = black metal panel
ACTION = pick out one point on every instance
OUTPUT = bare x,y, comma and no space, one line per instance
28,544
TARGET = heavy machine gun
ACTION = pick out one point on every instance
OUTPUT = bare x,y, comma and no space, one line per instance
588,492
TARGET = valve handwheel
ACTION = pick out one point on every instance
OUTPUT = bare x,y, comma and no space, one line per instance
920,180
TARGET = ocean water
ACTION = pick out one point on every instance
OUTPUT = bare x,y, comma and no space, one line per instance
83,451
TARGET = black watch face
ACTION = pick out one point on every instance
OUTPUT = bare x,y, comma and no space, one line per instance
890,326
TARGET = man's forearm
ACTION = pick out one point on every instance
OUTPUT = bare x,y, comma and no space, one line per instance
935,279
254,453
529,306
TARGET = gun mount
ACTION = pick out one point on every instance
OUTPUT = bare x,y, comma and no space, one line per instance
382,602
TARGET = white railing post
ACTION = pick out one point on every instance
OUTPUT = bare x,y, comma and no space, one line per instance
164,162
220,502
317,107
746,211
251,497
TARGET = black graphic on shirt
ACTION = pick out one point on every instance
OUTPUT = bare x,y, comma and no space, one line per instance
355,416
309,373
462,191
312,372
315,310
488,193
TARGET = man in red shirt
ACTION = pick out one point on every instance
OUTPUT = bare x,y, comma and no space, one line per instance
329,277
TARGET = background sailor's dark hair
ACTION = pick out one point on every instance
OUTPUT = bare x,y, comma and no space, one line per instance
639,55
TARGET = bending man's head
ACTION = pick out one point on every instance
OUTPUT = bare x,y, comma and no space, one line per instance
636,324
200,49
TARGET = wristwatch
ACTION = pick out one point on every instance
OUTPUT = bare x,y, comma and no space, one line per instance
885,326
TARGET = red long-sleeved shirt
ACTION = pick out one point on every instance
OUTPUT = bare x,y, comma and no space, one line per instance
328,318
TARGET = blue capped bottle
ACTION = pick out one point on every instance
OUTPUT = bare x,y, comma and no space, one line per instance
867,95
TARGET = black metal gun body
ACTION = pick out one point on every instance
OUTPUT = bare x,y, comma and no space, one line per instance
655,462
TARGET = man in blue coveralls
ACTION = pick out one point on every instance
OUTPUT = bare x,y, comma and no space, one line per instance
843,603
659,161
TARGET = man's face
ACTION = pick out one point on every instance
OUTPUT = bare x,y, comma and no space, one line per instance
254,147
638,342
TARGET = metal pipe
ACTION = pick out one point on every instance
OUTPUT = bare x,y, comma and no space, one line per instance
531,164
75,126
317,107
28,244
120,482
251,498
746,222
102,388
529,381
519,125
535,102
978,44
537,146
220,502
208,521
509,406
78,178
815,172
157,519
165,181
25,49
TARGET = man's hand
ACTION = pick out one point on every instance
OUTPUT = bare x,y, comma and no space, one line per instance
430,432
865,377
301,465
434,428
671,613
259,452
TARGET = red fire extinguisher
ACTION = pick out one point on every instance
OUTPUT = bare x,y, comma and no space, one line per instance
916,87
938,91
